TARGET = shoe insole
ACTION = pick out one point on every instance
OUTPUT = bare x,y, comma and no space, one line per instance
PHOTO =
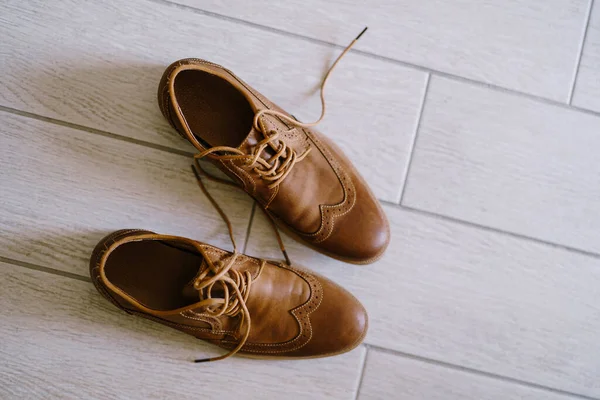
154,273
215,111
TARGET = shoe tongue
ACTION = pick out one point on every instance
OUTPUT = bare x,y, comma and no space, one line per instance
270,124
189,291
193,295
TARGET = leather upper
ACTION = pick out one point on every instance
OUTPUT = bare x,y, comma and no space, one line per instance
293,312
323,200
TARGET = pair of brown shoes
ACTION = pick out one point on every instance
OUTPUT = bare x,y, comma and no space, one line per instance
302,182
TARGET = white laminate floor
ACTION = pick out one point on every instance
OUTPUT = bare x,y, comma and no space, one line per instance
477,124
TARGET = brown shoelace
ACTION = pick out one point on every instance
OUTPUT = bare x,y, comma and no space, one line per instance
235,288
278,166
234,284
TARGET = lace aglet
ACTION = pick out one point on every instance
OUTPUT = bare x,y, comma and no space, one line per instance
287,258
201,360
360,34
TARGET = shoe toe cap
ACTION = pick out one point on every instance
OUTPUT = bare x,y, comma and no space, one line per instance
339,323
360,236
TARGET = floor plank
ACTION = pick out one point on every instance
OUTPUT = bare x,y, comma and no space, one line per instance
410,379
98,64
71,343
526,46
508,162
483,300
471,297
587,88
63,190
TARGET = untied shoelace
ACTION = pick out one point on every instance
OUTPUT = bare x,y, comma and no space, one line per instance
273,170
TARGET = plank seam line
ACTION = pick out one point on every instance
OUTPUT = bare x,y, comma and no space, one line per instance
48,270
492,229
249,229
362,371
389,203
478,372
95,131
371,55
413,143
431,361
580,52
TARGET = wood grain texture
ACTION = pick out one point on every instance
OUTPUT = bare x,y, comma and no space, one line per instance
527,46
63,190
61,339
98,64
479,299
587,87
444,291
508,162
410,379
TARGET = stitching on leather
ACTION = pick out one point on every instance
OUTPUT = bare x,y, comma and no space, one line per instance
215,323
302,320
273,195
111,239
326,229
95,271
247,176
183,314
301,334
173,324
300,313
218,253
331,211
224,164
166,105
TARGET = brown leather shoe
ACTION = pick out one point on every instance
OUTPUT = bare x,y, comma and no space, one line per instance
298,176
243,304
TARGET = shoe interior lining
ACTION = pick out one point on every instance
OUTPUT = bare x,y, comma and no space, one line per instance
154,273
216,112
